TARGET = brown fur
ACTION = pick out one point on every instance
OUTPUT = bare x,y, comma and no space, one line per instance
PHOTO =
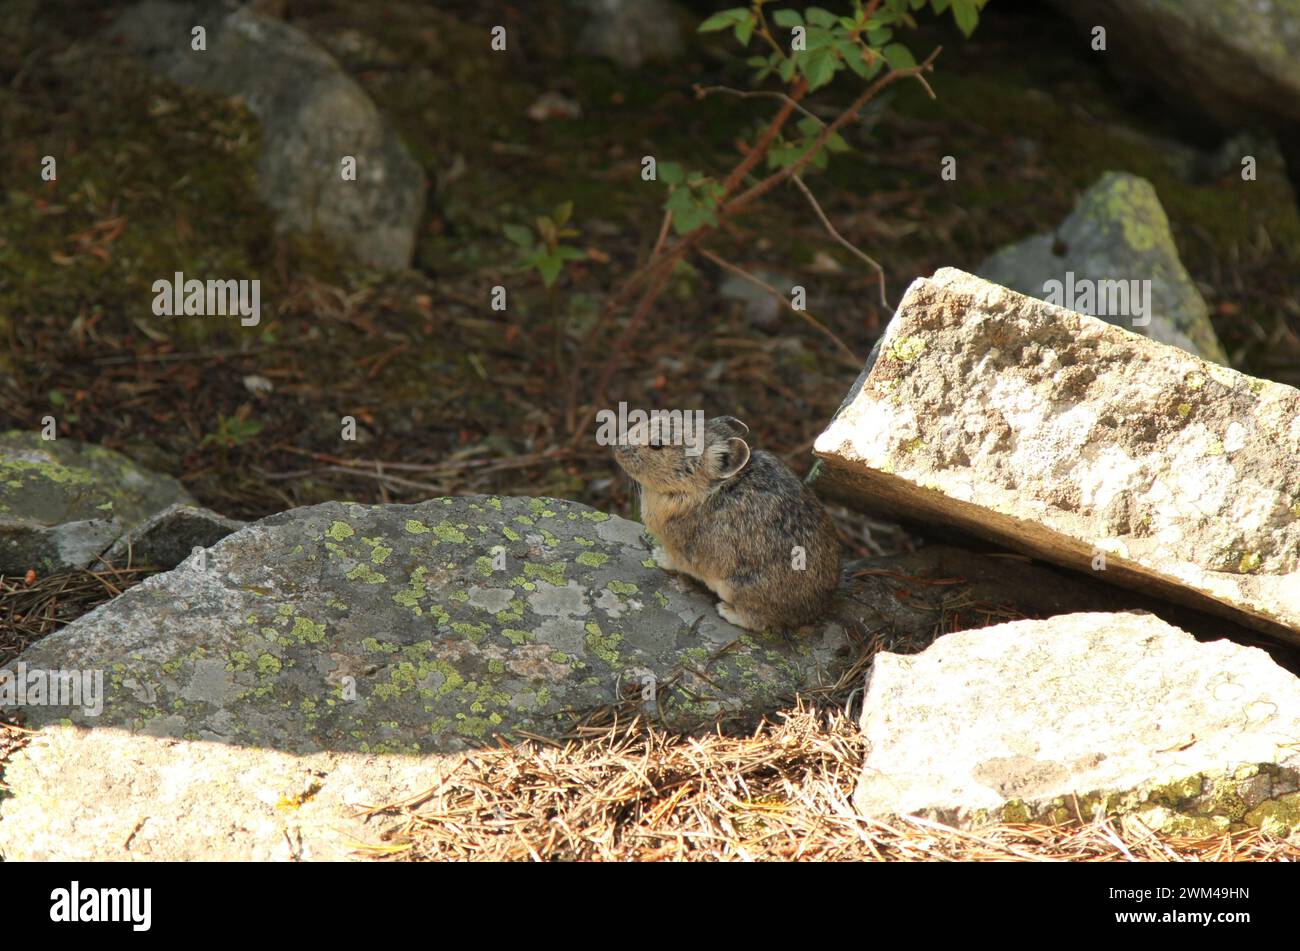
730,518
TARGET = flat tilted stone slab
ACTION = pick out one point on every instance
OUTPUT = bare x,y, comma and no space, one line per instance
1054,720
1068,438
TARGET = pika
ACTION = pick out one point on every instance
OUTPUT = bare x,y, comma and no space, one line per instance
737,520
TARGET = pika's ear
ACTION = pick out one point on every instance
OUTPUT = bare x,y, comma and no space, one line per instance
726,457
728,424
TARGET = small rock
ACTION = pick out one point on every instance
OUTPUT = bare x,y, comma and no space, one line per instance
63,502
1056,720
1118,234
312,113
171,536
552,105
631,32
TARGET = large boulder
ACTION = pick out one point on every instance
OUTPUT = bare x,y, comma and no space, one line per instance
1073,440
313,115
418,628
1118,232
64,504
1060,719
630,32
1237,60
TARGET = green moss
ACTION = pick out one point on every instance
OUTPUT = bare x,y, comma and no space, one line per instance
364,573
340,531
604,646
446,532
906,349
552,574
308,631
1279,816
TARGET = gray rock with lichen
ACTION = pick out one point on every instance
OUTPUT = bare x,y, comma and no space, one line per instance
64,503
312,113
1118,233
1056,720
419,628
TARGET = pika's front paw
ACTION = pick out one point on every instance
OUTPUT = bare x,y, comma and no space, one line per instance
733,615
663,559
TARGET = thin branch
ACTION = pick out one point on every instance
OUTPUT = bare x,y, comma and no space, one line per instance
767,184
826,223
702,92
727,266
663,234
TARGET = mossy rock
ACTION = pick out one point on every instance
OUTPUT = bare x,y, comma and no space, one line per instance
63,503
1118,234
422,628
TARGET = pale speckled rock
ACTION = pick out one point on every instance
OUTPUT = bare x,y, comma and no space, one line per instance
1056,719
64,502
1065,437
312,115
111,795
1118,232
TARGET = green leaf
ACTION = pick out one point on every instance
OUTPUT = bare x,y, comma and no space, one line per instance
836,143
519,235
818,38
568,253
940,5
670,173
898,56
688,219
819,68
562,212
550,267
858,64
720,21
819,17
786,69
966,14
787,18
679,202
879,37
744,30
